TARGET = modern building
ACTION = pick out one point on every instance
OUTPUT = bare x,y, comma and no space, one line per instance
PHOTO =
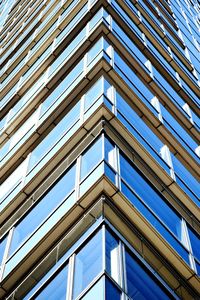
99,150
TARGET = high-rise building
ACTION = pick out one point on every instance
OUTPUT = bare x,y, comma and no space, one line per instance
99,150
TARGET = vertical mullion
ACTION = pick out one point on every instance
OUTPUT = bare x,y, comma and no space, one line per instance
25,169
114,100
120,261
103,147
118,168
70,277
82,105
6,252
104,247
188,244
104,287
85,64
124,268
77,177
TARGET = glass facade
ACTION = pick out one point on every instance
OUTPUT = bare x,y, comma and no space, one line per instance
99,156
96,264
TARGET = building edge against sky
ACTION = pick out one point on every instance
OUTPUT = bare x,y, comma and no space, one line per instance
99,136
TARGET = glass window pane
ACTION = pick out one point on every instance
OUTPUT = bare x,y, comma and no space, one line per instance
96,292
93,94
140,284
188,179
155,222
150,196
92,53
112,256
13,179
110,173
96,19
2,248
137,123
92,178
53,137
109,152
39,213
57,288
197,267
112,291
91,158
107,89
88,264
195,242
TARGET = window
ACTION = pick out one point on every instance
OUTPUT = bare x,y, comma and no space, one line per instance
111,290
88,279
140,284
88,264
149,195
96,292
57,288
112,256
43,208
195,242
91,158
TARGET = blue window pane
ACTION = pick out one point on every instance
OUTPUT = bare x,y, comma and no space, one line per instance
54,136
107,89
141,186
2,248
96,292
112,256
96,19
93,107
88,264
57,288
110,173
93,94
127,19
155,222
55,265
92,53
91,158
179,131
38,214
92,178
197,267
195,242
127,42
73,22
145,142
140,284
187,180
3,122
112,291
140,86
52,98
138,123
36,64
109,152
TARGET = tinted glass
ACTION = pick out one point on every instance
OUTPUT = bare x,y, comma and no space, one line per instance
112,291
38,214
112,256
57,288
96,292
195,242
140,284
88,264
91,158
141,186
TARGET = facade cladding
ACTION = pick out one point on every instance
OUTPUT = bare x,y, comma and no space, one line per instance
99,149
